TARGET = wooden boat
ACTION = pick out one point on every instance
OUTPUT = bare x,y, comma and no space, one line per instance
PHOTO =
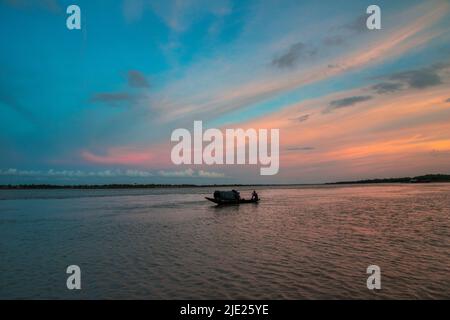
227,202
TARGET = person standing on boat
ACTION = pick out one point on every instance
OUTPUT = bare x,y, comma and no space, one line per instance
255,196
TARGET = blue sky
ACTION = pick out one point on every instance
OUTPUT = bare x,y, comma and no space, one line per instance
87,105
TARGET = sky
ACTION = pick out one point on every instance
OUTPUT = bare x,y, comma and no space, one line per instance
98,105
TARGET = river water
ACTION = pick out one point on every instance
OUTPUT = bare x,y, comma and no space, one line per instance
307,242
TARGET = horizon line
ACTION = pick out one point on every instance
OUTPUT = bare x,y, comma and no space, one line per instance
427,178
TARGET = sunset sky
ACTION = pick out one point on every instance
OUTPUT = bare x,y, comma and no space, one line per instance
98,105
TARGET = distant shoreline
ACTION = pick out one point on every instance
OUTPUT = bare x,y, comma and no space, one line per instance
429,178
139,186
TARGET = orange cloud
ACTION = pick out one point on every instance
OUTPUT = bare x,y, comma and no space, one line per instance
397,131
125,156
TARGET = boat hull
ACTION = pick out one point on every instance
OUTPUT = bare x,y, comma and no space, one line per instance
230,202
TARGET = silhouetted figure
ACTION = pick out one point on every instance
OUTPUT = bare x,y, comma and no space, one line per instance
255,196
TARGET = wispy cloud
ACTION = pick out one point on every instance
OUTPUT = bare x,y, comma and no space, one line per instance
242,89
178,15
346,102
302,118
357,25
412,79
178,174
334,40
384,135
137,79
112,173
210,174
387,87
113,98
190,173
77,173
418,79
10,101
121,156
296,52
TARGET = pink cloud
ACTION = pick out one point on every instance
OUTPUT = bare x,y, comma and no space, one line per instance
121,156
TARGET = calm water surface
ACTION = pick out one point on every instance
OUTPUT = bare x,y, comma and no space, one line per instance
298,243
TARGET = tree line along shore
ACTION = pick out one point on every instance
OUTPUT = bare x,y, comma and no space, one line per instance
429,178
